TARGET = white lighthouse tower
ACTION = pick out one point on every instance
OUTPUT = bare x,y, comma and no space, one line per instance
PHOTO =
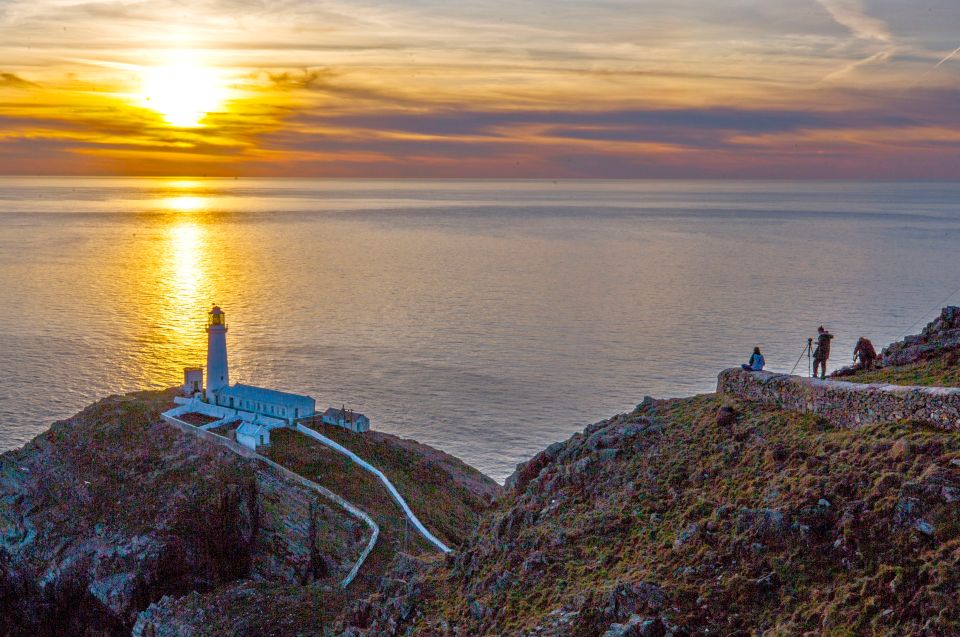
218,375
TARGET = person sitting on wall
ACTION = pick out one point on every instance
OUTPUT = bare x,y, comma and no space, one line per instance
866,354
822,354
756,361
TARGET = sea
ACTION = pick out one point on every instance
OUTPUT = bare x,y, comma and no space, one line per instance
486,318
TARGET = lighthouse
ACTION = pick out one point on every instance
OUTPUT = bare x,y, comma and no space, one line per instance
218,375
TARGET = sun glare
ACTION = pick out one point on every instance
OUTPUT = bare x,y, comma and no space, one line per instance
183,91
185,203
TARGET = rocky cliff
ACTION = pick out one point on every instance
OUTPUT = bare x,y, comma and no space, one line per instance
685,518
940,336
705,516
112,509
699,516
114,519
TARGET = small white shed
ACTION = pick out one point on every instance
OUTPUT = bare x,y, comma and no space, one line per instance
348,419
192,380
253,435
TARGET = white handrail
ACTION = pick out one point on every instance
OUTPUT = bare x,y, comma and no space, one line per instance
386,482
249,453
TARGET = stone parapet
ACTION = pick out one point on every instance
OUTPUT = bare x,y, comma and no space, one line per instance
843,403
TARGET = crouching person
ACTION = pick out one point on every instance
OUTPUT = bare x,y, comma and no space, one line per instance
864,355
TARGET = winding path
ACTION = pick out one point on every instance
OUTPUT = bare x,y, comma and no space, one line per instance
394,493
296,477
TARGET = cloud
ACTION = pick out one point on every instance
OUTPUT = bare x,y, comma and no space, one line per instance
851,14
878,57
15,81
948,57
429,88
650,124
328,81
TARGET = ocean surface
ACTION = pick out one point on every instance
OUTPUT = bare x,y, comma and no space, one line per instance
486,318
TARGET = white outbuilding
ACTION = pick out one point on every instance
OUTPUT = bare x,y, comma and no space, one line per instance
347,419
192,380
253,435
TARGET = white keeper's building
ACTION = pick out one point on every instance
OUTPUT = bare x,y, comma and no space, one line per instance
258,409
266,402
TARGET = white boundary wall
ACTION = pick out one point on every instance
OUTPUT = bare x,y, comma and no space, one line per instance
327,493
386,482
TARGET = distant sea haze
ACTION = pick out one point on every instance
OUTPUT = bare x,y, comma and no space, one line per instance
488,319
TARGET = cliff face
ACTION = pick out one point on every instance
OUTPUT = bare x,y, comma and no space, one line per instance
682,518
712,515
112,509
116,523
940,336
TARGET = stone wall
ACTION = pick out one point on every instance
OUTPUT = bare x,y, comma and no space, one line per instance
845,404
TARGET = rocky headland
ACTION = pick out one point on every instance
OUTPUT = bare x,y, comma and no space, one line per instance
712,515
114,522
743,512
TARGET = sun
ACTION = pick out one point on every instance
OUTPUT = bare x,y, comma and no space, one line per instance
183,90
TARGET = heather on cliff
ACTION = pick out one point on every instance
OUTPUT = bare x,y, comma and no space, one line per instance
705,516
113,509
114,519
672,520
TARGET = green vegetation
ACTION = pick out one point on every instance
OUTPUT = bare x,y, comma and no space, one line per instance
432,483
444,492
941,371
778,524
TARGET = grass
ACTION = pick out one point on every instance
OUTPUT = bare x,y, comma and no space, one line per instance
444,492
942,371
448,510
848,567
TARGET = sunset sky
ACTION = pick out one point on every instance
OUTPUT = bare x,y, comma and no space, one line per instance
423,88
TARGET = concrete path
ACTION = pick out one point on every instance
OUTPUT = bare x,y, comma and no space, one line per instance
430,537
296,477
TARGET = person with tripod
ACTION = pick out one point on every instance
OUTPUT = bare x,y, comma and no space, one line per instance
822,353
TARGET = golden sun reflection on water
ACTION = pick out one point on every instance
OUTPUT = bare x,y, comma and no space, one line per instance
183,203
173,284
186,241
182,183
